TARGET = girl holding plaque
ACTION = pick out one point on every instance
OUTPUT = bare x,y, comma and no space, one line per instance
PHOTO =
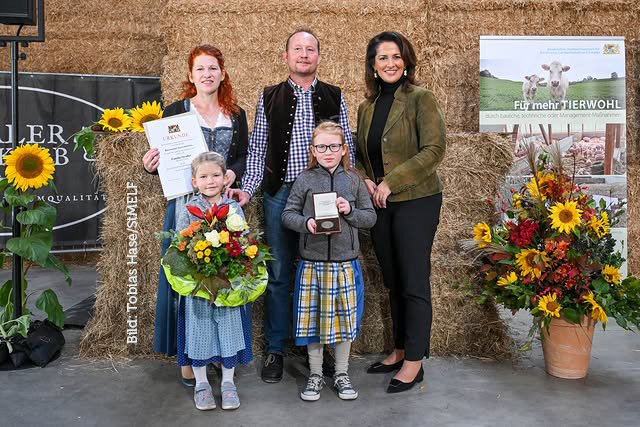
329,290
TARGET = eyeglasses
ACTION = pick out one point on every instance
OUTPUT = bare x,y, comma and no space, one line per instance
321,148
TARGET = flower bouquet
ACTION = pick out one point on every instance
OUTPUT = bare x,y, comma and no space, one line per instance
217,258
553,253
117,120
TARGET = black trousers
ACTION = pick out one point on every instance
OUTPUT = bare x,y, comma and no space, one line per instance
402,239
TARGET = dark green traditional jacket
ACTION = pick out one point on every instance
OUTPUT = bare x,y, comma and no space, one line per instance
413,143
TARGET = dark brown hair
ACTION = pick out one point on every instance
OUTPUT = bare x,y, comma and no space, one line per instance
226,98
408,56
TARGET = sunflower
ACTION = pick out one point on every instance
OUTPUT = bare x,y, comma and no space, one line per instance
600,225
516,201
611,274
482,234
597,312
565,217
148,112
532,261
115,120
532,186
549,306
508,279
29,166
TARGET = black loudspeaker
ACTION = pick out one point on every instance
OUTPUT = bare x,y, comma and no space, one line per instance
18,12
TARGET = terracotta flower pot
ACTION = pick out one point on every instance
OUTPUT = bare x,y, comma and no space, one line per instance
567,347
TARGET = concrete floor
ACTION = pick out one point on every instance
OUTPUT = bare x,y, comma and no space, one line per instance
456,392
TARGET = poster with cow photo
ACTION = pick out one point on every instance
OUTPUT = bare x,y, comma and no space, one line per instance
564,90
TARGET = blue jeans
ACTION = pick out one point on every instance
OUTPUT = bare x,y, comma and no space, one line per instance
283,247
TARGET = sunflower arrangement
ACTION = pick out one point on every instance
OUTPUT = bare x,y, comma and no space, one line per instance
552,252
118,120
217,258
27,168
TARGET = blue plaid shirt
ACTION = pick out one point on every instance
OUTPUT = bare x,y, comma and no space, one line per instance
303,125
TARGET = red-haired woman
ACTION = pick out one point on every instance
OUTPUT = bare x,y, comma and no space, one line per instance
207,91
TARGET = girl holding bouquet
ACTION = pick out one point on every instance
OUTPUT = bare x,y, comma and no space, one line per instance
329,290
207,333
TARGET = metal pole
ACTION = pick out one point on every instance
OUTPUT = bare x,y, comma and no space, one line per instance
16,270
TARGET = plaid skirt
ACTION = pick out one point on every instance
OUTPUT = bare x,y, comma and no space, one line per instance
328,301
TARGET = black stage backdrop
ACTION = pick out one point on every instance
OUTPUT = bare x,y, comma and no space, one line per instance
52,107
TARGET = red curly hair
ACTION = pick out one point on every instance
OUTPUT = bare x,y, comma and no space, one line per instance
226,98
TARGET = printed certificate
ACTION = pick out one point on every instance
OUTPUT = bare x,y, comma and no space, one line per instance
179,139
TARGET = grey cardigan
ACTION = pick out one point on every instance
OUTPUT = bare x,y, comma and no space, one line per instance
343,246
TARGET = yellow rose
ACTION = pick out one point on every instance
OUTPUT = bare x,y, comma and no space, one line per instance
224,236
236,223
213,237
207,252
207,259
200,254
251,251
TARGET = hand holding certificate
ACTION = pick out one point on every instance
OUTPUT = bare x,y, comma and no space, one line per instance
326,213
179,139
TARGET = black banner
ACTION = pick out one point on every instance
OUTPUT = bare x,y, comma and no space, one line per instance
52,107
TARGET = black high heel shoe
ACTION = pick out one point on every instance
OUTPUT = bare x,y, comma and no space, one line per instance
397,386
381,368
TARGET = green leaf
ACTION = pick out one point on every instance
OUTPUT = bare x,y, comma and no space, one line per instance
600,286
571,315
34,248
622,322
84,139
603,204
510,214
5,293
178,262
41,214
576,231
53,262
4,182
48,302
18,198
20,326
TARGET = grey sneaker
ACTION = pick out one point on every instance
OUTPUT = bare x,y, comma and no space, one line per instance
230,399
345,390
203,397
312,389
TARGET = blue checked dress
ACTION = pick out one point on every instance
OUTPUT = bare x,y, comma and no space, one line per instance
328,301
206,333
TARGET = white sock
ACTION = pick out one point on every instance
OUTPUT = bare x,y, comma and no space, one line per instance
200,373
315,358
227,375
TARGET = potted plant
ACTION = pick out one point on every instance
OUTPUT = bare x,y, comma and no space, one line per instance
28,167
552,253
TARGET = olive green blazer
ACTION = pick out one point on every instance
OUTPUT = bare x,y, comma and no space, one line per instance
413,143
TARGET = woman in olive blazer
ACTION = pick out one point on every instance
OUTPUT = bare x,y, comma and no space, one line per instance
401,142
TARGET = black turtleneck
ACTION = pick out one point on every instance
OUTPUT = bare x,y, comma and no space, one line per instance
379,120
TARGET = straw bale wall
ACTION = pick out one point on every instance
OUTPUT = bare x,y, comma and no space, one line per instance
460,326
95,37
144,37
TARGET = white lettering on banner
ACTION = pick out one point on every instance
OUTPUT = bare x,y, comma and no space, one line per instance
131,215
35,132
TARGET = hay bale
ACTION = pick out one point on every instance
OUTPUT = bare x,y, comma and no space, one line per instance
94,37
119,164
471,171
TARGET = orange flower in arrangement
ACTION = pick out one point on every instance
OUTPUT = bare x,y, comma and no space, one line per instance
182,245
187,232
195,226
